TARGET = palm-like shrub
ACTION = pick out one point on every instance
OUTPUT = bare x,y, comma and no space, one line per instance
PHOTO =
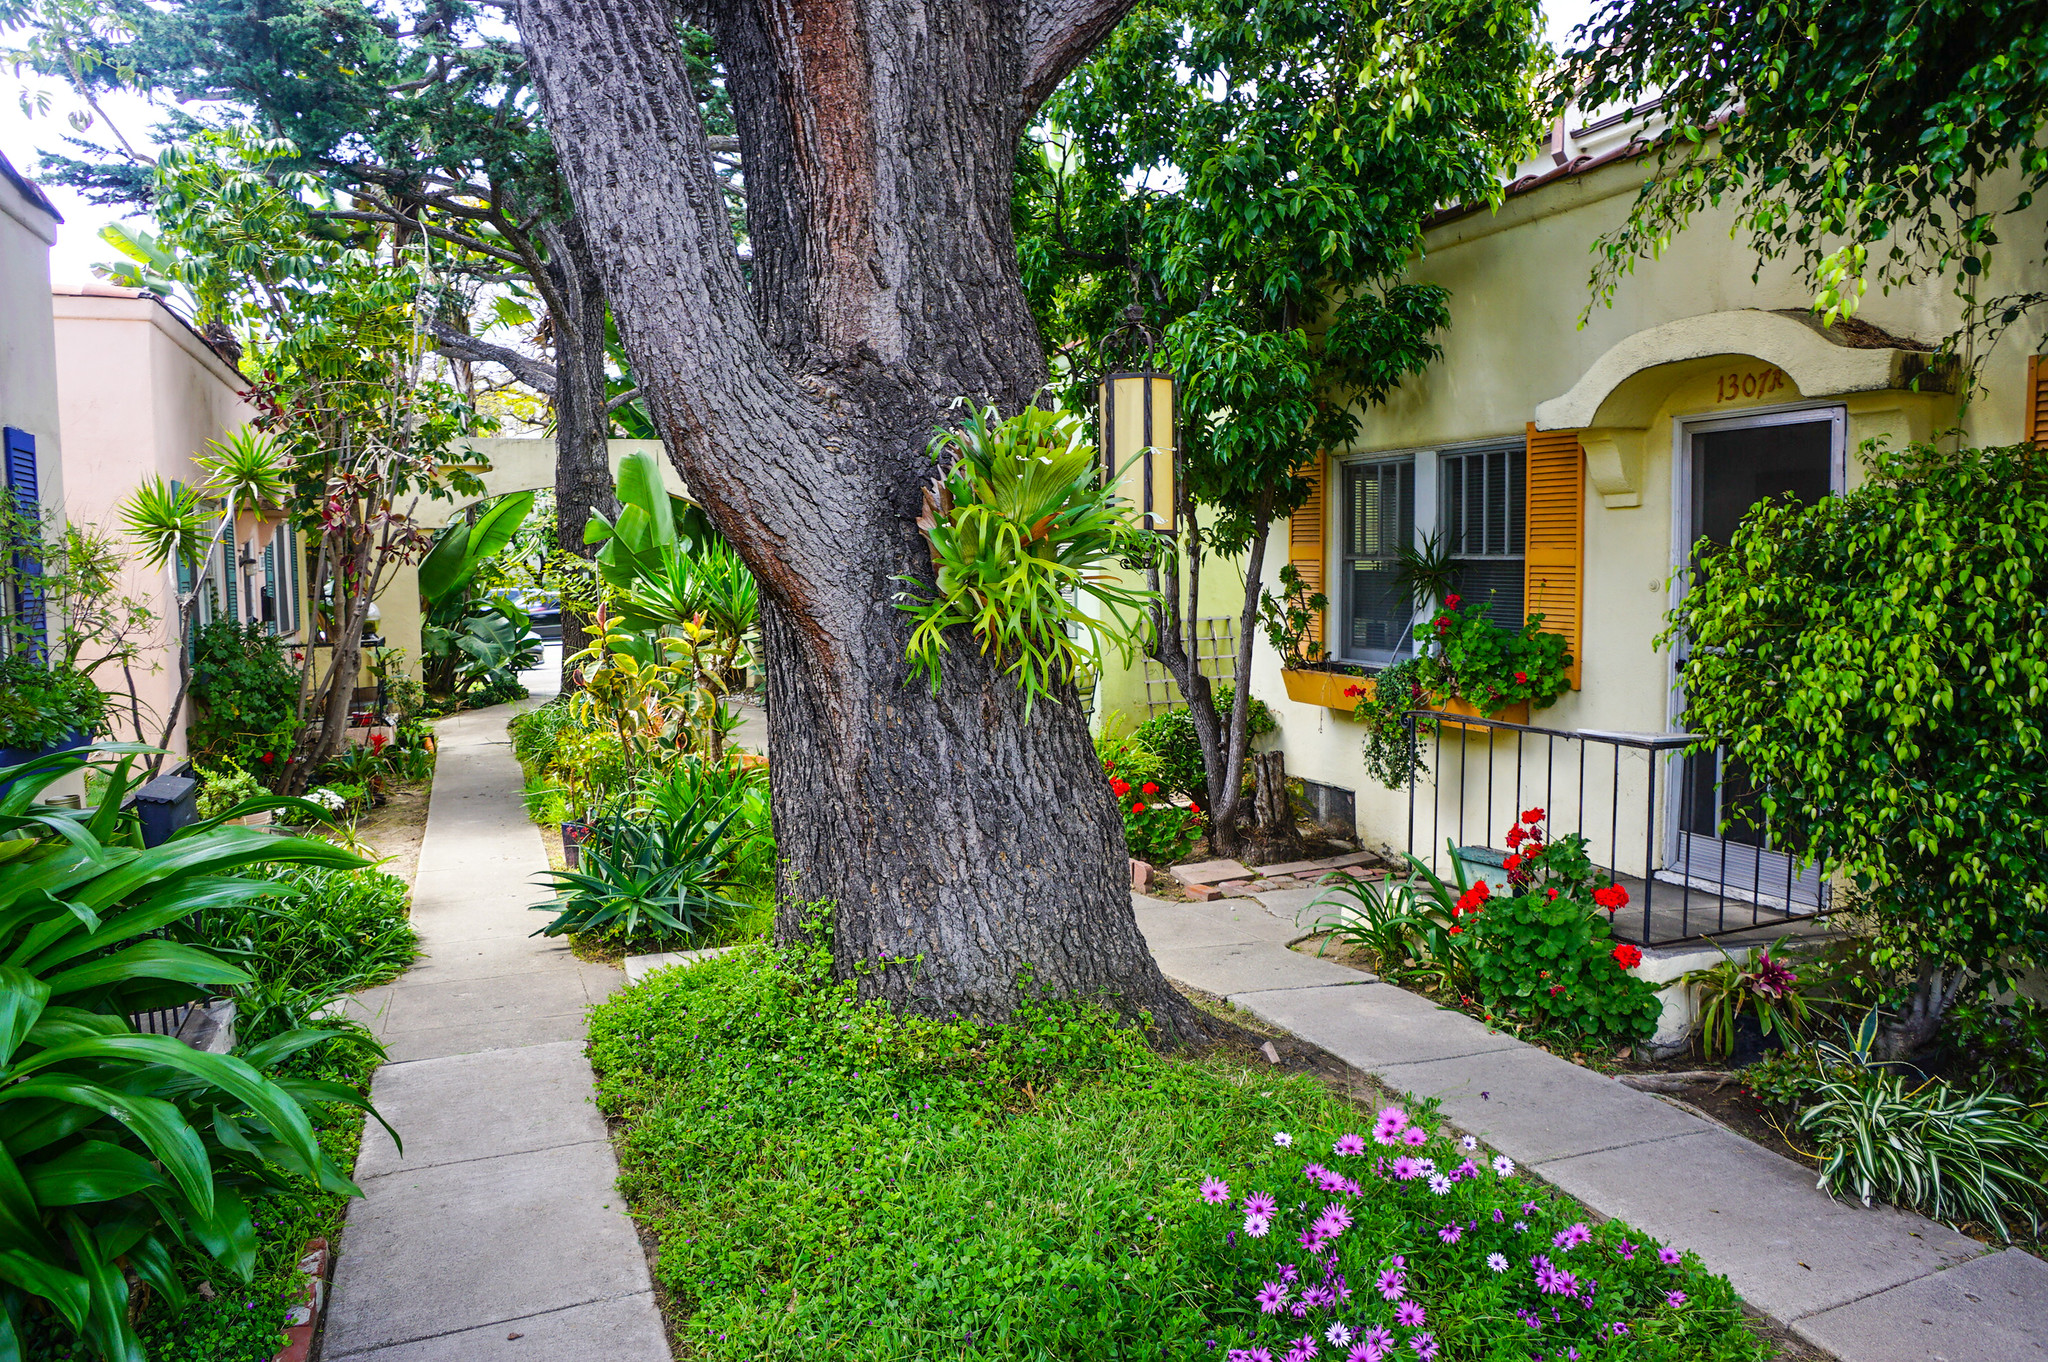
669,873
117,1147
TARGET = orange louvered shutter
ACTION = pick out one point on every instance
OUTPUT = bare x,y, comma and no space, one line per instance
1305,536
1554,566
2035,422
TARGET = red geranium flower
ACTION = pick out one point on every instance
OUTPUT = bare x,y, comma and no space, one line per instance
1137,808
1556,989
1353,692
1453,601
1514,864
1532,816
1612,897
1514,835
1551,895
1148,788
1456,930
1522,677
1627,956
1120,788
268,758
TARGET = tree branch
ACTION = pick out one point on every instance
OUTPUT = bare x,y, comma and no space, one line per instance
1058,36
629,395
537,374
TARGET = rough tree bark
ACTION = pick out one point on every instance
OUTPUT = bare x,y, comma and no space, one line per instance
583,475
963,847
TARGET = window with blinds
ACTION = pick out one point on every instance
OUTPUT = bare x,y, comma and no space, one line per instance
1480,526
1379,521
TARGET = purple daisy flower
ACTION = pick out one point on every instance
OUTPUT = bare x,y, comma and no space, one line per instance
1497,1261
1338,1335
1348,1145
1409,1315
1406,1169
1668,1256
1439,1184
1271,1297
1319,1298
1282,1138
1520,1227
1392,1285
1503,1165
1261,1203
1289,1272
1451,1233
1674,1298
1571,1236
1425,1347
1215,1191
1257,1225
1414,1135
1626,1250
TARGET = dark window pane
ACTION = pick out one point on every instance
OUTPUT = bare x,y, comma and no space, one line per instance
1379,505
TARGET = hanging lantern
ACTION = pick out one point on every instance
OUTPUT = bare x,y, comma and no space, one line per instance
1138,414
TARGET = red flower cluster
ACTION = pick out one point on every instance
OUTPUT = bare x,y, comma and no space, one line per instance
1471,899
1119,787
1353,692
267,758
1532,817
1148,788
1453,601
1627,956
377,741
1612,897
1521,678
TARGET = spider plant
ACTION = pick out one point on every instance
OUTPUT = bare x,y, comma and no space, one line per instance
1953,1154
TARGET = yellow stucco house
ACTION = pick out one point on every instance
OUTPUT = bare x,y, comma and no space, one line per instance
1568,469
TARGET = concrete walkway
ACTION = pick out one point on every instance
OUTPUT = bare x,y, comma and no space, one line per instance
1876,1285
500,1233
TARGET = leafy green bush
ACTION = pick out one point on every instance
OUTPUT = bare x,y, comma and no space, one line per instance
825,1177
41,706
536,732
124,1148
223,788
1877,660
1170,737
1123,757
246,694
1155,830
317,934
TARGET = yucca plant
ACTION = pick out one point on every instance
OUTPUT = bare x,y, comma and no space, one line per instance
116,1147
1021,530
671,874
1952,1154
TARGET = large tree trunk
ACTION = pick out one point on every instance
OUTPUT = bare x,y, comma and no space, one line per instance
583,475
962,847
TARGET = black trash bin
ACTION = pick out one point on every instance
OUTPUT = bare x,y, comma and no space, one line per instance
165,805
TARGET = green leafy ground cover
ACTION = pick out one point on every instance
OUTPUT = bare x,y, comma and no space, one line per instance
828,1180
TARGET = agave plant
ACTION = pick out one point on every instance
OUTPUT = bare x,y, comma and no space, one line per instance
118,1147
672,873
1021,531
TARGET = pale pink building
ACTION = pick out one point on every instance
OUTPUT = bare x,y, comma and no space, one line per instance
140,392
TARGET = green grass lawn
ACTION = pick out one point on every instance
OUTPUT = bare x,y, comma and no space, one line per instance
827,1180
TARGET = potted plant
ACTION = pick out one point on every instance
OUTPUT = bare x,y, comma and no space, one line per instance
45,709
1306,670
1472,666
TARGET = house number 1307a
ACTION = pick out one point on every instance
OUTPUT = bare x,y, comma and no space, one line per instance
1756,383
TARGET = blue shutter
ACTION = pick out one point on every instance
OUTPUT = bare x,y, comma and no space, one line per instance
31,617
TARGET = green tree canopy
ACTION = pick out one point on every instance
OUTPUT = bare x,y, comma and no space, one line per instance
1856,138
1257,179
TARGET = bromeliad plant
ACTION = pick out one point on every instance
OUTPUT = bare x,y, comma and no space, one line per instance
118,1149
1766,988
1022,532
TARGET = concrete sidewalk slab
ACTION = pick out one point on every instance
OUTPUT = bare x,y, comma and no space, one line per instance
1252,967
1985,1310
1302,909
1223,922
1376,1025
599,1332
482,1105
504,1206
432,1250
1790,1250
1533,1106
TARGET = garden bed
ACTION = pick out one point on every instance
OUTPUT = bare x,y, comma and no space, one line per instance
825,1179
